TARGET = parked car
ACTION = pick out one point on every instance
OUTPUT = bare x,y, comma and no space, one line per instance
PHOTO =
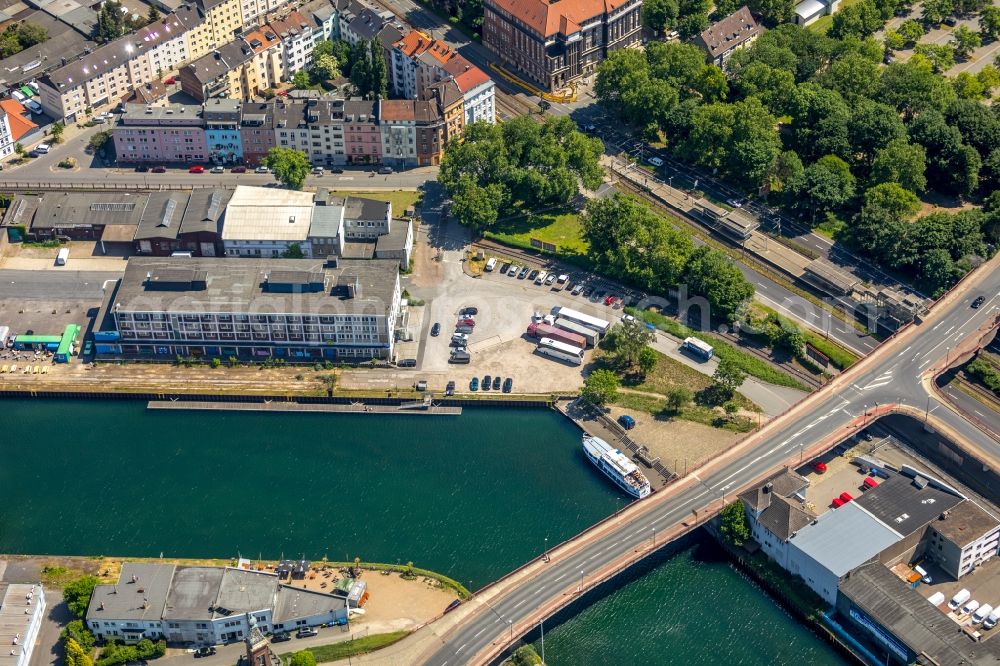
218,169
306,632
463,329
978,302
262,169
508,384
496,383
532,275
34,107
951,21
238,169
141,168
563,278
626,421
281,637
317,171
460,338
487,382
169,81
407,363
336,170
655,161
159,169
197,168
846,497
735,203
524,273
837,502
474,384
204,651
466,321
385,170
470,310
513,271
504,267
450,388
819,466
436,329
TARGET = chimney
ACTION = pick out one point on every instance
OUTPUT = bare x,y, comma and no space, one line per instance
768,487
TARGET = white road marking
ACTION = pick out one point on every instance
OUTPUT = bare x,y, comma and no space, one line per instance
476,635
461,648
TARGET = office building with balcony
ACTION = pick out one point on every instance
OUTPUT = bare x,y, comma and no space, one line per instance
552,44
301,310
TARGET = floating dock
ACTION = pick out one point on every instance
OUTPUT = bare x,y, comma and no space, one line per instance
289,406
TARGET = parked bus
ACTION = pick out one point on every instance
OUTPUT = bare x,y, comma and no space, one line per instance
558,334
599,325
560,350
699,348
590,335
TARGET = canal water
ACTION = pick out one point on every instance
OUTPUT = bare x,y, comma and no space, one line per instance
472,497
687,607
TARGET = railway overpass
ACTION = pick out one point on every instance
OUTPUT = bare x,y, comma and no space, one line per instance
897,377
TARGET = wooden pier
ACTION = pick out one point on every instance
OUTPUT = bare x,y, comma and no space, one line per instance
289,406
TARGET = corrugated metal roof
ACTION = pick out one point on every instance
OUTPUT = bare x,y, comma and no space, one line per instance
263,213
842,539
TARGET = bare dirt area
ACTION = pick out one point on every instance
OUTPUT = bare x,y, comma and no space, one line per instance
83,256
679,444
395,603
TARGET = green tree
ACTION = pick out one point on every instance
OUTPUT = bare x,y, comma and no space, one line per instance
290,166
771,85
525,656
626,342
153,14
858,20
989,78
728,376
110,22
75,655
76,630
979,127
678,398
894,40
648,359
873,126
820,120
825,186
901,162
477,206
989,22
711,274
325,67
964,42
853,76
77,594
936,11
754,143
600,387
379,71
99,139
302,658
57,130
693,17
911,32
773,12
787,168
301,79
968,87
913,87
941,57
19,149
952,166
660,15
882,225
294,251
733,524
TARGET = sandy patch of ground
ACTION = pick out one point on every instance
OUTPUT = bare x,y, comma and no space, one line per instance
394,603
677,443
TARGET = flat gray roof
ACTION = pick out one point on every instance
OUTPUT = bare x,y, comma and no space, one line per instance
138,598
842,539
824,270
903,505
326,221
137,114
395,240
238,285
193,592
65,209
911,619
294,602
965,523
13,620
242,591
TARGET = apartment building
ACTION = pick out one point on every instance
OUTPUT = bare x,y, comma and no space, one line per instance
451,105
724,38
228,71
162,134
16,126
114,70
268,57
222,130
413,133
253,12
297,309
962,539
222,21
256,132
555,43
362,135
297,41
359,23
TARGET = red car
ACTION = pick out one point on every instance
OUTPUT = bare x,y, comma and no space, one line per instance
169,81
466,322
159,169
197,168
869,482
845,497
837,502
819,466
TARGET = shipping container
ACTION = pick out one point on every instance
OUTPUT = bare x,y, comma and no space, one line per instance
566,337
590,335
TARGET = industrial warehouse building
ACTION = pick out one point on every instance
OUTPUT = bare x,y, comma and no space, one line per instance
22,609
204,605
300,310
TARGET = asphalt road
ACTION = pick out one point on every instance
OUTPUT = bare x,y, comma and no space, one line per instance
48,285
894,378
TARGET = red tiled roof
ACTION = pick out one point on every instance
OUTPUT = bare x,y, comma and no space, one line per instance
559,17
471,78
397,109
18,118
413,44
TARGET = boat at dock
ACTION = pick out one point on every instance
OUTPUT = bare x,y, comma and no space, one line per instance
616,466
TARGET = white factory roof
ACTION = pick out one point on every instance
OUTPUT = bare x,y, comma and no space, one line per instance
14,621
268,214
843,539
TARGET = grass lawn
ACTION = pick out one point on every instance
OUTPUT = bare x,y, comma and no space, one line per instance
694,413
335,651
399,199
561,229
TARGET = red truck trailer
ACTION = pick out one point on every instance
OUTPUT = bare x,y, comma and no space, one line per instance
566,337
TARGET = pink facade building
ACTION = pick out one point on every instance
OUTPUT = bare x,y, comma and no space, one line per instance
362,136
169,134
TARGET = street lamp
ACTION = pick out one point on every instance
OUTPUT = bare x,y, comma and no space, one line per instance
545,551
654,537
510,623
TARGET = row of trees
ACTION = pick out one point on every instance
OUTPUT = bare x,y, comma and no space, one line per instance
628,241
518,167
114,20
19,36
847,125
364,64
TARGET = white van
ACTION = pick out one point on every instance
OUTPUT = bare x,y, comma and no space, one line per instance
42,148
936,599
62,256
960,598
491,264
992,619
540,278
924,576
981,613
970,607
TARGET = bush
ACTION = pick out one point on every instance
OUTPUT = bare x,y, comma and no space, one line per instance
78,632
119,653
77,595
984,372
